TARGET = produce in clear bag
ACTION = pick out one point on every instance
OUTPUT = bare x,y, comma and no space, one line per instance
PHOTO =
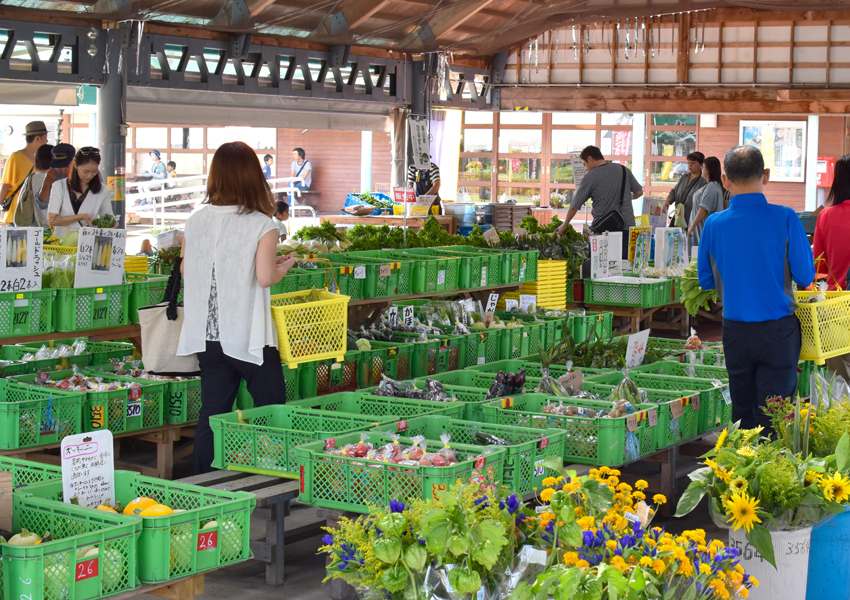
447,453
505,384
827,389
398,389
435,392
628,391
693,342
551,386
572,411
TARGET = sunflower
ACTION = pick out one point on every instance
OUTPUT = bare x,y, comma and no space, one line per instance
546,494
813,477
738,485
721,473
743,511
659,499
746,451
838,487
721,440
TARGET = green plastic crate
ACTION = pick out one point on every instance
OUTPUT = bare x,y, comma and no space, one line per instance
321,377
145,290
601,323
405,267
26,313
479,347
476,270
15,353
425,354
292,378
711,393
51,570
594,441
119,411
398,361
383,279
670,430
619,293
298,279
575,291
472,398
355,484
677,369
261,440
32,416
177,545
552,328
25,472
431,273
76,309
532,368
181,400
511,261
525,452
362,403
98,352
521,341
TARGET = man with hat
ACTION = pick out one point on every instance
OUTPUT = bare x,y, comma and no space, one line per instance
19,166
60,168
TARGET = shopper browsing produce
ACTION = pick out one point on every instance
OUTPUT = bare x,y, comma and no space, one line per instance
75,202
30,210
19,166
708,199
682,196
229,263
612,188
761,333
832,250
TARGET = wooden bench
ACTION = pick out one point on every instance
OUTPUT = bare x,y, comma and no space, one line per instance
274,496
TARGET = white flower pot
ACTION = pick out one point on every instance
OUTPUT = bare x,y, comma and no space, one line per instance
786,582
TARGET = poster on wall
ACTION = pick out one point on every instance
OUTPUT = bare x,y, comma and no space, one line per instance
420,142
783,144
579,170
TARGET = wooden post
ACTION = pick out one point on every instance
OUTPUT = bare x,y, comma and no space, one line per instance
791,57
828,50
683,58
720,53
580,52
755,51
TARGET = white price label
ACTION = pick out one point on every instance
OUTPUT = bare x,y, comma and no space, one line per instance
526,301
727,396
541,509
538,468
407,315
482,360
441,277
359,272
392,315
134,409
492,301
511,304
636,348
483,276
522,269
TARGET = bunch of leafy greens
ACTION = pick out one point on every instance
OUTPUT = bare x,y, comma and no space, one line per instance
326,232
598,353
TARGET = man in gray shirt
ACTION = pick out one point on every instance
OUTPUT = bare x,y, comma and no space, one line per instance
603,183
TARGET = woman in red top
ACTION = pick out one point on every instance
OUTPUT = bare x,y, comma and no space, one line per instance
832,233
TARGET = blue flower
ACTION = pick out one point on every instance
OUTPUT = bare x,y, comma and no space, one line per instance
587,536
328,540
482,502
512,504
421,541
396,506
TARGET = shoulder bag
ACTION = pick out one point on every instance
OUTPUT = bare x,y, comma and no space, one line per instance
161,325
613,221
7,201
24,213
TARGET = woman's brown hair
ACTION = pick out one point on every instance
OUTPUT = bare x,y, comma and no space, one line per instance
236,179
83,157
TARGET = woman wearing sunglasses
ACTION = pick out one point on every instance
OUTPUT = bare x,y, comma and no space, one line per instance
76,201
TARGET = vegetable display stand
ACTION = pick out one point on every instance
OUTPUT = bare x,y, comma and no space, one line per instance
672,428
32,416
77,309
666,367
355,484
211,531
291,378
714,409
825,325
377,407
398,361
431,273
600,323
322,377
310,330
261,440
26,313
97,353
590,440
25,472
54,570
627,291
145,290
525,448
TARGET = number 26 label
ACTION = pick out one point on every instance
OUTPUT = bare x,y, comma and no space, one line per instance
86,570
207,540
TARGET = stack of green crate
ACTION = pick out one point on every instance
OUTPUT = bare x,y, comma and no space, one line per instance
33,416
28,313
600,323
77,309
620,292
522,341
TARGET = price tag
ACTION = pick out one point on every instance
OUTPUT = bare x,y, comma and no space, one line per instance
652,417
520,232
86,569
491,235
632,517
385,271
407,315
330,444
525,301
483,276
207,540
541,509
441,277
359,272
482,360
480,462
727,396
633,421
574,380
695,402
522,270
402,426
511,304
636,348
544,442
492,300
676,409
392,315
134,409
539,469
98,420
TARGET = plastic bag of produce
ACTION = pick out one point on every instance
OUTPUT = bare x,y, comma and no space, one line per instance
435,392
693,342
551,386
64,272
628,391
827,389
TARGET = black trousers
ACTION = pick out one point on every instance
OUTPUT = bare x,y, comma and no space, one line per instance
761,359
220,378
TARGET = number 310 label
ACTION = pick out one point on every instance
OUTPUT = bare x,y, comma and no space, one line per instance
207,540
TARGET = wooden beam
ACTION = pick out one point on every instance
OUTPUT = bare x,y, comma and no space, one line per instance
551,52
828,51
755,52
580,52
347,16
683,56
791,57
443,23
720,52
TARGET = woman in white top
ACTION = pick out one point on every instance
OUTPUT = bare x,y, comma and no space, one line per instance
83,197
229,250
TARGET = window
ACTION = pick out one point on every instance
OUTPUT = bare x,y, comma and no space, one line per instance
475,168
573,118
152,137
616,143
520,141
519,169
521,117
565,141
477,140
187,138
474,117
670,138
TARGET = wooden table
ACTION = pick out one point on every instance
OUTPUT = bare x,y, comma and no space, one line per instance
368,312
414,223
133,332
635,318
274,496
673,317
164,438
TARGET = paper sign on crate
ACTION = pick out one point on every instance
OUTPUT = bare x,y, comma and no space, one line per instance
100,257
640,244
422,206
671,251
88,469
636,348
22,259
598,256
615,253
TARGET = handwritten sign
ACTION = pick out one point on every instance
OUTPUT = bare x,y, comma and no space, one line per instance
22,259
526,301
670,248
100,257
492,301
640,241
511,304
572,380
88,471
420,142
677,409
86,569
598,256
360,272
491,235
407,315
636,348
579,170
392,315
207,540
483,276
384,271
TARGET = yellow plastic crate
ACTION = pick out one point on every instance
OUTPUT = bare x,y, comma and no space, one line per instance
642,221
308,331
825,326
64,250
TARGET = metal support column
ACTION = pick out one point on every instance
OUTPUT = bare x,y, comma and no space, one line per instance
111,111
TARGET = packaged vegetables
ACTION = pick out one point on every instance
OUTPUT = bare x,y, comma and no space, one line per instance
433,392
506,384
395,452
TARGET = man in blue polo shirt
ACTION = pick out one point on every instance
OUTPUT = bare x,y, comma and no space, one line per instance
750,254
